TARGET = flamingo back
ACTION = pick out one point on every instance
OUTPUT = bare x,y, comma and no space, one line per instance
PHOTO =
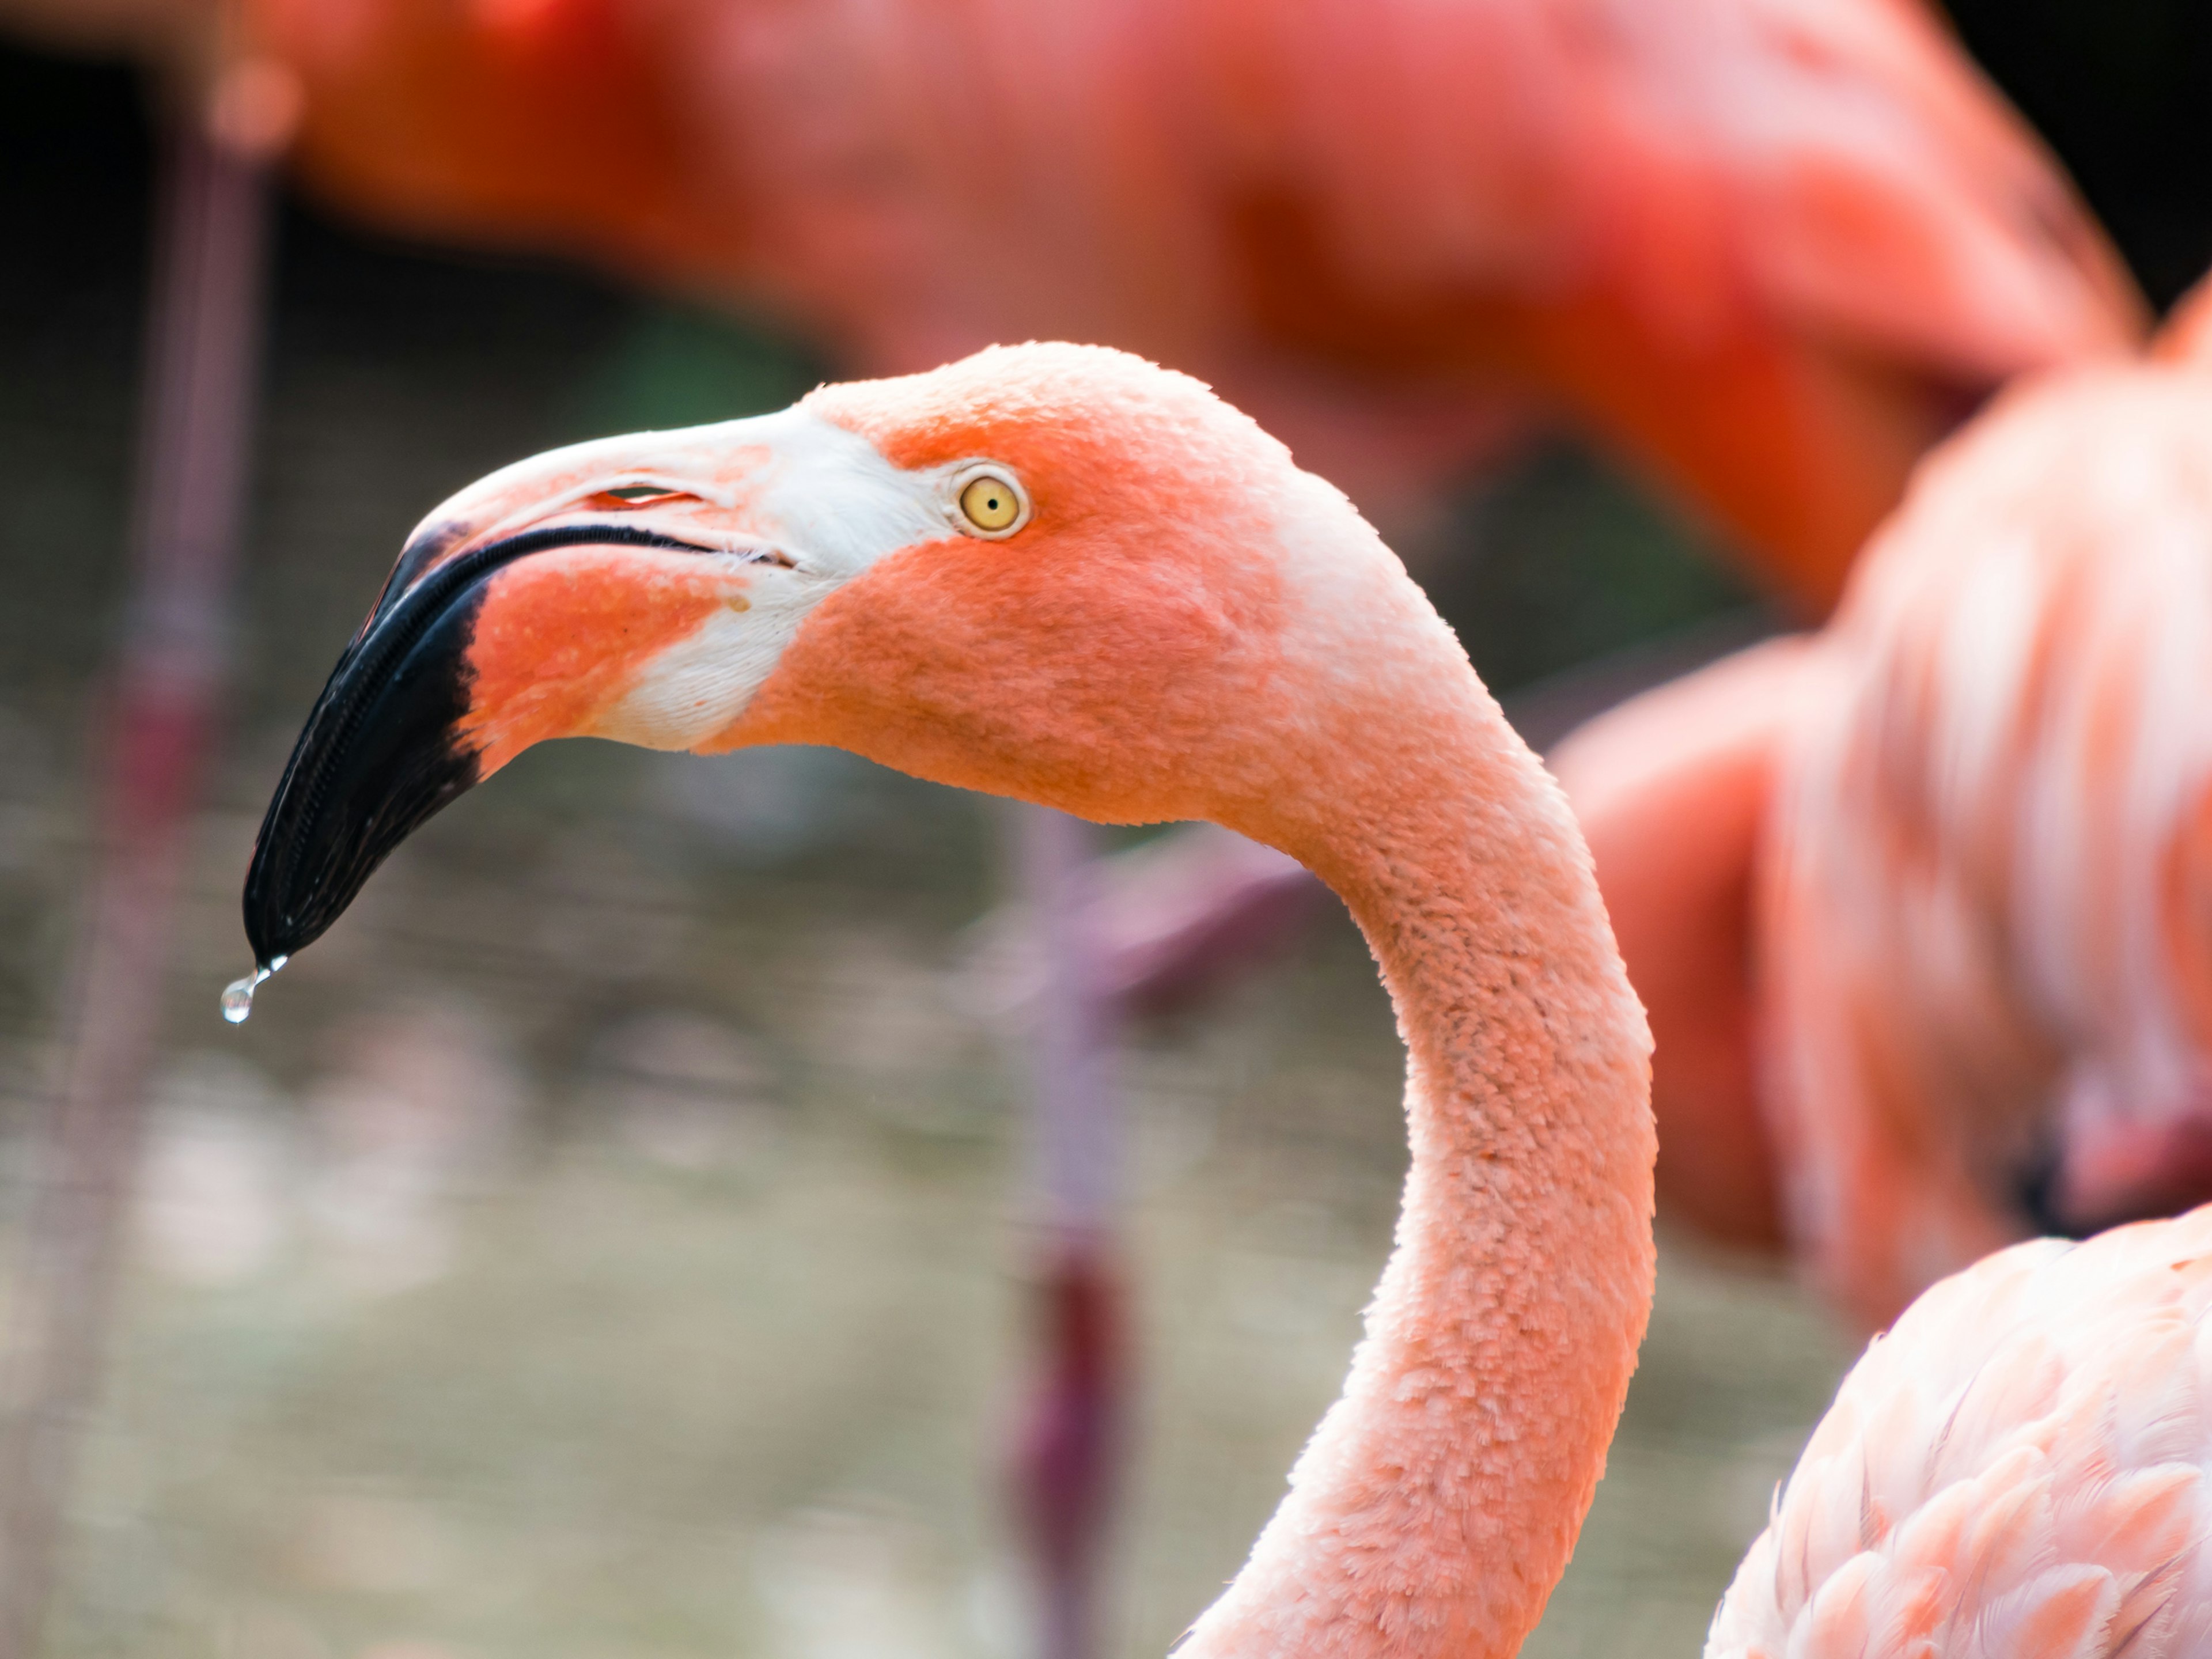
2017,1469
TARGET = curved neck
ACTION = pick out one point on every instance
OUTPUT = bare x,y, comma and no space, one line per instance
1439,1499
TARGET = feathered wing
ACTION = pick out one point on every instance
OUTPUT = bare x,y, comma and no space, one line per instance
2018,1470
1986,916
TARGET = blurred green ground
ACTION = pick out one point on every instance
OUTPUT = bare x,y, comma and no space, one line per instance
604,1243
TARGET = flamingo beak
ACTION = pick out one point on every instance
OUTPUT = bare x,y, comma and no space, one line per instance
378,755
388,743
386,747
639,588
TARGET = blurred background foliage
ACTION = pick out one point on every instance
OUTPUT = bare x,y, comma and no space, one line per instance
601,1246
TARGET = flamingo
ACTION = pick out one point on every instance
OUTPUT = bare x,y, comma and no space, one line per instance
1919,905
1061,573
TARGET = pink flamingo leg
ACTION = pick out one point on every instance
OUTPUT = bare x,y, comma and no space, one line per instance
203,357
1066,1457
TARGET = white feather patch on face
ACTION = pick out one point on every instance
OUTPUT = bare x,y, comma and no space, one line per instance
826,499
699,685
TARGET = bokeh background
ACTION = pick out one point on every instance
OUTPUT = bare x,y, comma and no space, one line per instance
604,1243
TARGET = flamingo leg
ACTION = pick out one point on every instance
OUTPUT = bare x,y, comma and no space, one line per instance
160,714
1067,1456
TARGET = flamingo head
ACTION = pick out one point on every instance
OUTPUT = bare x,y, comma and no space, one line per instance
1053,572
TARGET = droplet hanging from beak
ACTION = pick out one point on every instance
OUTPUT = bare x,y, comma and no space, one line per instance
238,995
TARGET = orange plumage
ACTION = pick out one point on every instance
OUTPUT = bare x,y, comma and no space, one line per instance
1767,249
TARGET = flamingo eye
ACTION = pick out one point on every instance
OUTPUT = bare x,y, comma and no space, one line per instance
990,503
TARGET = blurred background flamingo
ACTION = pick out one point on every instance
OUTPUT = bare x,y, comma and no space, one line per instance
1919,905
1766,249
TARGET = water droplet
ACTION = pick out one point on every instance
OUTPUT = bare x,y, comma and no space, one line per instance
238,995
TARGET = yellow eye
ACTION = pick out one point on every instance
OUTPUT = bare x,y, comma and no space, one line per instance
990,504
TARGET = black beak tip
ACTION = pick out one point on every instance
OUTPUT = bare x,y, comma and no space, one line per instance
320,844
382,751
264,934
274,929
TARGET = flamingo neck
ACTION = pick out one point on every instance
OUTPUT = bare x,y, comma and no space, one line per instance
1439,1499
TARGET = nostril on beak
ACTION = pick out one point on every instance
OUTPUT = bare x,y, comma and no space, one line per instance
642,494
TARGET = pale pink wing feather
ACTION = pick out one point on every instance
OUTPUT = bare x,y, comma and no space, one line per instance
2018,1470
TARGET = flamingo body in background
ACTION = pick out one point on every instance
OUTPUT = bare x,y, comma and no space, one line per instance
1764,250
1767,250
1925,902
1162,628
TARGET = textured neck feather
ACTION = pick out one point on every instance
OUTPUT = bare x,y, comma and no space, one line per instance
1439,1499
